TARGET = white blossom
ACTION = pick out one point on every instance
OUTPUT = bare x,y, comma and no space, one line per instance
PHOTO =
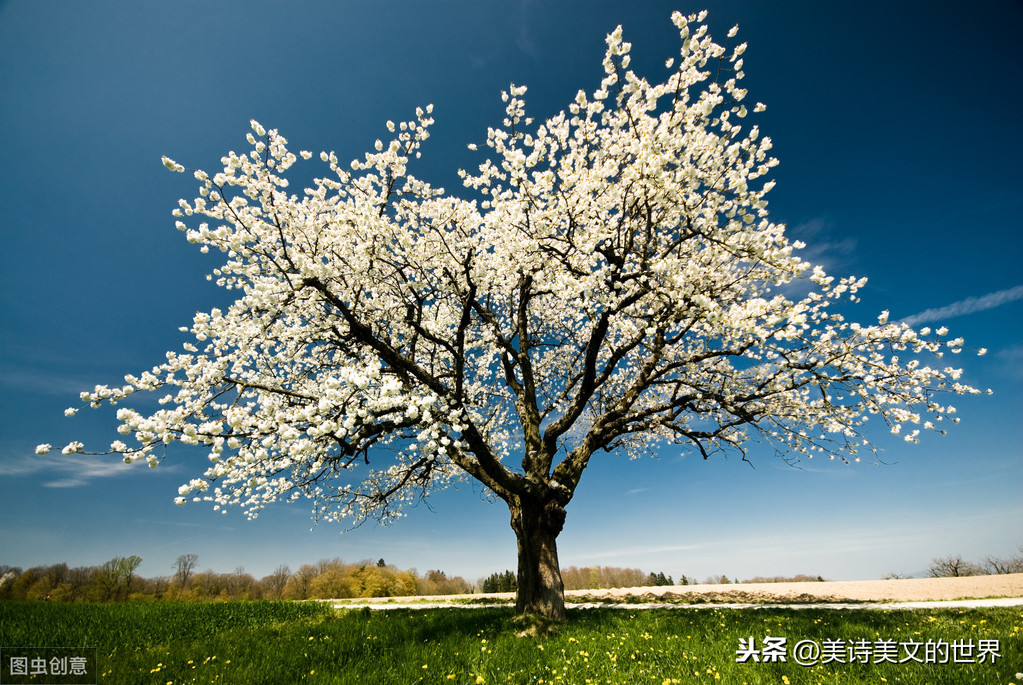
607,279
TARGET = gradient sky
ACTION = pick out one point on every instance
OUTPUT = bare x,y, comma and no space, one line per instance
899,132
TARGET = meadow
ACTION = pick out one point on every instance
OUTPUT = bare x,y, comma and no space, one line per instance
311,642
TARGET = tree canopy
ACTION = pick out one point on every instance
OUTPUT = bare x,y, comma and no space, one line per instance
608,280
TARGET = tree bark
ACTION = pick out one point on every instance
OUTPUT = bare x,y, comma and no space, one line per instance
536,524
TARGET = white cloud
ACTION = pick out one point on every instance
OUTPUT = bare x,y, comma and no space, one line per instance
821,246
62,471
524,40
967,306
837,256
43,382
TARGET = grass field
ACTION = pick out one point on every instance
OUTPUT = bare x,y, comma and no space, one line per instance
289,642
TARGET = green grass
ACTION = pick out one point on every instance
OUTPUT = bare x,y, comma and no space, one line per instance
288,642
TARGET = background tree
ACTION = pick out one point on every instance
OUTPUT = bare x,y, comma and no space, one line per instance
404,584
717,580
8,576
126,567
613,283
597,577
18,587
298,585
993,564
274,584
241,585
337,581
952,566
498,582
184,565
47,585
108,577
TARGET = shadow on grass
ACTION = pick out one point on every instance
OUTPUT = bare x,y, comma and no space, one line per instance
418,626
270,643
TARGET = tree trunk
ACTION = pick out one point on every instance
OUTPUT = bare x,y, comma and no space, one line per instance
536,525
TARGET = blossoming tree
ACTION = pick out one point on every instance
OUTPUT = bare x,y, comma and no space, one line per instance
612,283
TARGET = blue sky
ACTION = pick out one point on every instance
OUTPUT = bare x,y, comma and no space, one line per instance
899,132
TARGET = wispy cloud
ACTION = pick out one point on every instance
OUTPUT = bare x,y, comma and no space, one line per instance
43,382
1011,359
66,471
822,248
524,39
967,306
523,42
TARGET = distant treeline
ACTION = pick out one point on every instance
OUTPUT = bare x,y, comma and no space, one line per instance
600,577
955,566
587,578
116,580
799,578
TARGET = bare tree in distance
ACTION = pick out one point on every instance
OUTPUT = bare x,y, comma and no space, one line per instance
611,285
184,565
275,583
1014,564
952,566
